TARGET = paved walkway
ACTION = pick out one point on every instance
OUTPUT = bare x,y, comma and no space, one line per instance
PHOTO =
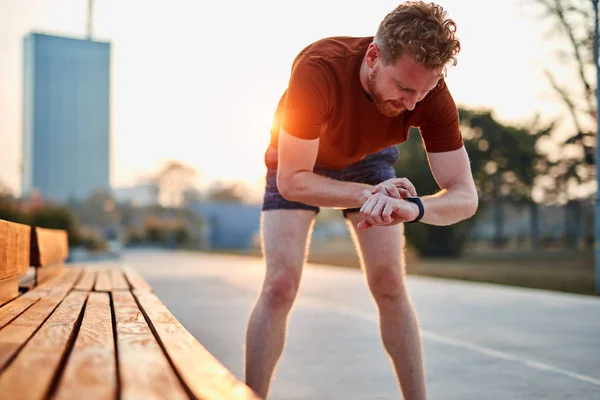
480,341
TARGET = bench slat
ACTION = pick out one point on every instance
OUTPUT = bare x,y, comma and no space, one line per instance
103,281
14,249
30,375
15,308
15,334
87,280
58,284
91,367
144,369
136,280
118,280
42,274
9,289
48,246
203,374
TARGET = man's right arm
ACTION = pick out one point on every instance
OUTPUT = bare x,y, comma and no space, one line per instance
296,180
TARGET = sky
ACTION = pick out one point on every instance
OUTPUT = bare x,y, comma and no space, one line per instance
199,81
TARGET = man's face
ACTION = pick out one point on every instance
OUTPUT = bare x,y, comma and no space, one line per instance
398,86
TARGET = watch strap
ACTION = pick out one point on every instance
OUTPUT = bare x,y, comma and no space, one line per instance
419,203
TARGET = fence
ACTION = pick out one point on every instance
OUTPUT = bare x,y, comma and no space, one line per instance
532,225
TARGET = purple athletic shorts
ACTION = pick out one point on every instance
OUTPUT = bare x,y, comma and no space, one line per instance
372,170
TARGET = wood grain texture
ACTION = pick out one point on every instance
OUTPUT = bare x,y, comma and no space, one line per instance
17,332
48,246
4,246
15,308
9,289
87,280
62,282
136,280
24,246
14,249
103,282
90,372
117,279
31,374
202,373
42,274
144,369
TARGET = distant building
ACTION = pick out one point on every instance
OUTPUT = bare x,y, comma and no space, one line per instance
139,195
230,225
66,117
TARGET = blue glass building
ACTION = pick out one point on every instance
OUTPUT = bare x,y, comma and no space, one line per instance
66,117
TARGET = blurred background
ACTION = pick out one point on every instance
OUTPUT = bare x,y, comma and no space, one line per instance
144,124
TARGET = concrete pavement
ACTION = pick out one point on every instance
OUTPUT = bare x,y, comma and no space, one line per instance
480,341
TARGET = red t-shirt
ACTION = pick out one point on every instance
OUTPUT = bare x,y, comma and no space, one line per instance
325,100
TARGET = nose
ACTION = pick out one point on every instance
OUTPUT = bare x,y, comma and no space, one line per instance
410,101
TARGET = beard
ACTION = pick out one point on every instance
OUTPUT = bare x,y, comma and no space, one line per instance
385,107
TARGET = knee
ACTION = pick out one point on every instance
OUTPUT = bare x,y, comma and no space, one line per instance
387,284
280,291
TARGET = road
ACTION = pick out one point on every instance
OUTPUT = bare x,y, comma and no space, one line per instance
480,341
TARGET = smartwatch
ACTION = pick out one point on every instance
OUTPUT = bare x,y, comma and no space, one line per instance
418,202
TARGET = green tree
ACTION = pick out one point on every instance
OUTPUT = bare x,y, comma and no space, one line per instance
231,193
504,159
504,162
173,180
56,217
573,24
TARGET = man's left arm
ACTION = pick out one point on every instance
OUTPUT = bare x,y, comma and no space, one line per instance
457,200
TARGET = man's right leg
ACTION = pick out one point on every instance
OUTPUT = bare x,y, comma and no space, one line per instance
285,242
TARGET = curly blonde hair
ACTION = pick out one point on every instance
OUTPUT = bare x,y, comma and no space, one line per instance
422,29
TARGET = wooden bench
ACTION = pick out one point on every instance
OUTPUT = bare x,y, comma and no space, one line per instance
99,332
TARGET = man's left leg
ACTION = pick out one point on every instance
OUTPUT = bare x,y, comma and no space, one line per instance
382,257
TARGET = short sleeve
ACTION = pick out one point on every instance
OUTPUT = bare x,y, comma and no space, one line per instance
306,103
439,122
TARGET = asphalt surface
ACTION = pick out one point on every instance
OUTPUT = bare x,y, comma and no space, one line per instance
480,341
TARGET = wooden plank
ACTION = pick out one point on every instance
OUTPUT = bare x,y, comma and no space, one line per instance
4,246
48,246
136,280
9,289
88,278
21,318
203,374
103,283
61,283
91,372
24,245
16,333
31,374
143,367
42,274
15,308
117,279
14,249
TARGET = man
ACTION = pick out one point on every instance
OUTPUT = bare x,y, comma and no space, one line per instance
349,102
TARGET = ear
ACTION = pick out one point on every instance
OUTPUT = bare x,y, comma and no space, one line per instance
372,54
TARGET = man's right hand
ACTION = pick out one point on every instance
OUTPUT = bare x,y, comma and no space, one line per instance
397,188
383,210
